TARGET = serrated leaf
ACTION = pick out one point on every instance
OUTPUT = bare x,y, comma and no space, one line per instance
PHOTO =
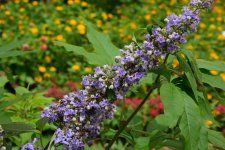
214,81
190,123
171,97
216,138
211,65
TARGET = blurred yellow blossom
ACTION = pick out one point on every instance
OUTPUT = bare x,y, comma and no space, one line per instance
202,25
59,37
213,55
221,37
215,112
38,79
153,12
57,22
22,9
212,27
222,75
70,2
76,67
147,17
190,47
72,22
48,59
35,3
84,4
208,123
7,12
87,69
52,69
68,29
209,96
175,63
42,69
47,75
93,15
77,1
59,8
214,72
104,16
2,21
34,30
81,29
99,23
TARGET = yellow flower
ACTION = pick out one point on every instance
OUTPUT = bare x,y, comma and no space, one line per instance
35,3
70,2
59,8
213,72
75,67
175,63
172,2
93,15
7,12
213,55
59,37
221,37
42,69
81,29
104,16
212,27
38,79
220,28
2,21
215,112
222,75
25,1
68,29
57,22
209,96
153,12
48,59
197,37
147,17
87,69
219,19
21,10
72,22
52,69
133,25
47,75
202,26
110,15
34,30
17,1
190,47
84,4
77,1
105,30
99,23
2,7
208,123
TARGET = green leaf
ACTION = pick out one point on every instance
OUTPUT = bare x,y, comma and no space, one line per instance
193,66
4,117
190,123
173,144
11,45
3,81
141,143
41,123
211,65
102,44
172,98
214,81
203,141
189,74
13,53
216,138
17,128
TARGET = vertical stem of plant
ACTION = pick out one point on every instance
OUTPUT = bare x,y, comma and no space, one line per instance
135,112
131,117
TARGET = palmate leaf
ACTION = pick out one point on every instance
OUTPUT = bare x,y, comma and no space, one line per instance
190,124
104,50
173,105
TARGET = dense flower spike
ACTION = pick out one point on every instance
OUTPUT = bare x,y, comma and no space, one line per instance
30,146
80,115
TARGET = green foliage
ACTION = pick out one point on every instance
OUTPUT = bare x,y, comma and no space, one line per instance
104,50
216,138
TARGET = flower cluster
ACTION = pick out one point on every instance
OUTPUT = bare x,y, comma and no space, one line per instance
30,146
80,115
